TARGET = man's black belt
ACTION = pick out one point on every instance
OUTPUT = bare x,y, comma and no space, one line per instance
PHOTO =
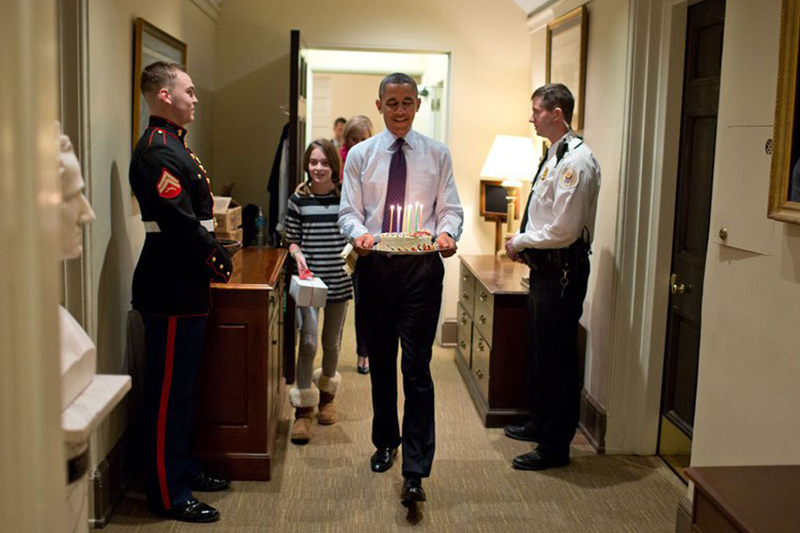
540,259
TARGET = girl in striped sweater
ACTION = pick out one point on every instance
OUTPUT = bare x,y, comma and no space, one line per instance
315,244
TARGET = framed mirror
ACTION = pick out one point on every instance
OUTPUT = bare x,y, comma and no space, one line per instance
784,194
150,44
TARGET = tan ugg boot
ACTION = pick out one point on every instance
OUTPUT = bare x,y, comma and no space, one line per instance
327,392
303,400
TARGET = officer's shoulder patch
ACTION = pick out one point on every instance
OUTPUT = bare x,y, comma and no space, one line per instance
569,179
168,185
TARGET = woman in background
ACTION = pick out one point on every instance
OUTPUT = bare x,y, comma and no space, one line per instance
316,245
357,129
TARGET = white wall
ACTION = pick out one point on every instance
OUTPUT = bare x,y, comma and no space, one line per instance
350,94
603,133
117,235
490,91
747,393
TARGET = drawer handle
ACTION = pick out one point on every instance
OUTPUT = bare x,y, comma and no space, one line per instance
463,320
482,320
274,342
272,300
465,295
480,345
463,345
479,373
465,277
484,296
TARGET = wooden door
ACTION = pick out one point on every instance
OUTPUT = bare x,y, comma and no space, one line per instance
298,91
702,67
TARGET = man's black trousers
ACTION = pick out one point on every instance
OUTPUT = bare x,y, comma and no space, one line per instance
401,297
174,350
555,305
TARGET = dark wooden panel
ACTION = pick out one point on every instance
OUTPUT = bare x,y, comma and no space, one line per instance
750,498
224,370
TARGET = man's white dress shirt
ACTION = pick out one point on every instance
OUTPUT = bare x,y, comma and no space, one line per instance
429,181
564,198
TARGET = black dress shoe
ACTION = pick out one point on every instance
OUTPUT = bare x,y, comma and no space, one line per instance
191,511
412,491
382,459
204,483
536,460
526,432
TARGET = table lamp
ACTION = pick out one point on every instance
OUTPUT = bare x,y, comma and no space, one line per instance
511,159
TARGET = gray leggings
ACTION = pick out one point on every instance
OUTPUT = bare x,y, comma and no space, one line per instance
332,325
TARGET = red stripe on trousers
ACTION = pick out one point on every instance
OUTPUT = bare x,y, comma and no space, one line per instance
162,411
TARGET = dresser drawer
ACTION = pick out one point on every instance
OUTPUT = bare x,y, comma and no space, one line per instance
464,332
484,314
466,289
480,363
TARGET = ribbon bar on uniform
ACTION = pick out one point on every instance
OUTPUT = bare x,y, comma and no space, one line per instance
151,226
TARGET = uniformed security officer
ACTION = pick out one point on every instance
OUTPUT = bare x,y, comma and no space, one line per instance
171,289
554,241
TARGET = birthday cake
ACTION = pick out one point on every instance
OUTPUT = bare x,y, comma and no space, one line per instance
418,241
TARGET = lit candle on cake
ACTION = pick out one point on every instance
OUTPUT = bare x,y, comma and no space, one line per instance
416,222
399,217
391,217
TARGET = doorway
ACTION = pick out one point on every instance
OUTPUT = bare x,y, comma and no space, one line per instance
700,103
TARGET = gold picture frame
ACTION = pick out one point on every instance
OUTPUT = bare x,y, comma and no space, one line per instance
784,195
151,44
567,45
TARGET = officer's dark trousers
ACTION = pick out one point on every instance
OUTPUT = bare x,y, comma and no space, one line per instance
553,374
401,297
174,350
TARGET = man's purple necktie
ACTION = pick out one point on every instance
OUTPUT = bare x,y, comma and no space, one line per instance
396,187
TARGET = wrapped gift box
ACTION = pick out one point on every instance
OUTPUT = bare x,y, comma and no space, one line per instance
309,292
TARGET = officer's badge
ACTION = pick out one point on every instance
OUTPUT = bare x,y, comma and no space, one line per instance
168,185
544,172
569,179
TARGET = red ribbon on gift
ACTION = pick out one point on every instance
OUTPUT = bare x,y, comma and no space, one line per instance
304,275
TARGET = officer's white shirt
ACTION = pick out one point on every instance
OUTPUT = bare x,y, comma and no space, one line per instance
564,199
429,181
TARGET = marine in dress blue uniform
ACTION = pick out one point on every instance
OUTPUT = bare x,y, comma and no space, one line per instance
171,290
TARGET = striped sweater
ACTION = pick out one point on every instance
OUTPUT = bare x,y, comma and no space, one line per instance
312,223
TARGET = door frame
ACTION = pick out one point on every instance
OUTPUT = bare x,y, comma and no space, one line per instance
646,207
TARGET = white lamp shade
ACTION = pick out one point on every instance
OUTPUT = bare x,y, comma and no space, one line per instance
511,158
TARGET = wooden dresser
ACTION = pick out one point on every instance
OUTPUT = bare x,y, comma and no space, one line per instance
745,499
240,384
492,343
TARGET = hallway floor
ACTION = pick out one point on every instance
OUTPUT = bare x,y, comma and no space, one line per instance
327,486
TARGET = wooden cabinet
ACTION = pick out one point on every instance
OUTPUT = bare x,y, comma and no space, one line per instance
745,499
492,342
240,386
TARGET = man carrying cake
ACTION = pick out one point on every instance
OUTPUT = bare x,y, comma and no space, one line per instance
401,294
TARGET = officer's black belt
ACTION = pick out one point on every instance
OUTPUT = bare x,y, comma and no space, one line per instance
539,259
151,226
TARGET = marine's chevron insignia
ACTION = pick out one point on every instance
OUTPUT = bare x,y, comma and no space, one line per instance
168,185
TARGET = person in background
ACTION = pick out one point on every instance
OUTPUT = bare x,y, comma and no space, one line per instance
401,294
554,241
358,128
316,244
171,290
338,127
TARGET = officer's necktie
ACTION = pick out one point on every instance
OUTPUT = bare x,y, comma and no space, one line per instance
396,187
524,223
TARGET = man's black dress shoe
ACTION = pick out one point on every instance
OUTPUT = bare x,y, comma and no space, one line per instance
526,432
382,459
536,460
412,490
204,483
191,511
